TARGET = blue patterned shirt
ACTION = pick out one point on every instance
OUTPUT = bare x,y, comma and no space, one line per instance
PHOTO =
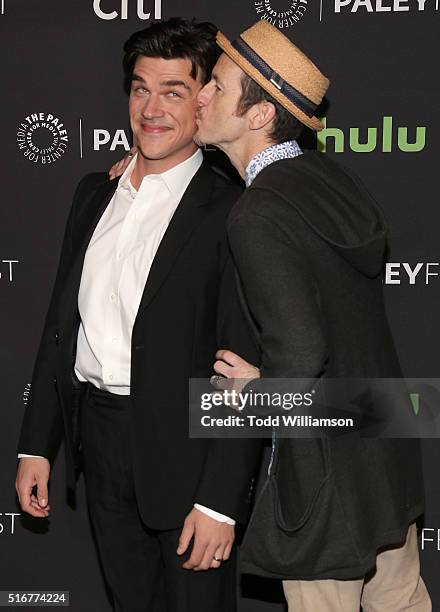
284,150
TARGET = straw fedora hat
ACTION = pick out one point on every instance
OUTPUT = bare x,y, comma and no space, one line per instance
279,67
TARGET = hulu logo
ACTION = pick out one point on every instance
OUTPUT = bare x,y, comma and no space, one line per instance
375,139
415,401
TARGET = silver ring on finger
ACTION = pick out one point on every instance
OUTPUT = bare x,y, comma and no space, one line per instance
216,380
217,559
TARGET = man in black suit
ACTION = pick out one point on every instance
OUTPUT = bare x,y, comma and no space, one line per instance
144,295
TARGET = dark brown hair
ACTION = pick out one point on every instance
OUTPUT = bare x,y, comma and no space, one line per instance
173,39
285,125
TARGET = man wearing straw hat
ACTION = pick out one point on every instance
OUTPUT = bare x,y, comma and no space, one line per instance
308,241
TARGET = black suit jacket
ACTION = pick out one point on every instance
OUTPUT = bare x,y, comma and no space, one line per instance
189,308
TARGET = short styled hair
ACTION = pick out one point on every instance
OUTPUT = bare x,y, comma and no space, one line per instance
285,125
175,38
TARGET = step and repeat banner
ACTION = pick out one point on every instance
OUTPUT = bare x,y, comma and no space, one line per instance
64,114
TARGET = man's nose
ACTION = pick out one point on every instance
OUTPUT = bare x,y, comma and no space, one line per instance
203,96
152,107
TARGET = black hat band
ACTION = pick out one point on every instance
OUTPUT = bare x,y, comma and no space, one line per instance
296,97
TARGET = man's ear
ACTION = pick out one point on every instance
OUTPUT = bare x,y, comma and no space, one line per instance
261,114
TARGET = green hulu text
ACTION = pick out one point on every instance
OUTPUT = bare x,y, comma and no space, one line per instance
386,139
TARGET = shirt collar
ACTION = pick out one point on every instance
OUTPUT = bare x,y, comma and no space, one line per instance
283,150
176,179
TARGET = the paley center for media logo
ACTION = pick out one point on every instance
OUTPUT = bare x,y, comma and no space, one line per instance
407,273
281,13
385,6
42,138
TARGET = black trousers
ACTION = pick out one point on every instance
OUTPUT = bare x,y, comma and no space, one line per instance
140,564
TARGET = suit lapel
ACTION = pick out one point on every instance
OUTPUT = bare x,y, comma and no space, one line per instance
90,212
189,214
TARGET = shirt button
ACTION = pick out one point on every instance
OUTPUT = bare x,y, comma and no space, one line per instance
114,339
112,297
119,255
110,377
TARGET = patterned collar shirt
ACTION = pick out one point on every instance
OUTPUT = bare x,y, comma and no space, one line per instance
283,150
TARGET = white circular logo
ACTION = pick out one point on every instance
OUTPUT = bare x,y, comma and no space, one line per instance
42,138
281,13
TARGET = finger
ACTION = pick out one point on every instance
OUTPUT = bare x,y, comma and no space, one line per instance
217,555
224,369
28,506
227,551
35,512
39,511
197,555
113,172
231,358
42,491
119,168
221,384
185,537
207,558
34,502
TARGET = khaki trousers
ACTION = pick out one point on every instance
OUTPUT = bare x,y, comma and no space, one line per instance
395,586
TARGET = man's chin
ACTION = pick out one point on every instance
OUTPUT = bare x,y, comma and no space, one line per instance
200,139
152,154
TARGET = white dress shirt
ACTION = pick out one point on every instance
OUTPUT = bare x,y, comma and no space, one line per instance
116,267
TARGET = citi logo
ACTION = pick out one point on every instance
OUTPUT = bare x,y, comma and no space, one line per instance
121,9
383,139
405,273
384,6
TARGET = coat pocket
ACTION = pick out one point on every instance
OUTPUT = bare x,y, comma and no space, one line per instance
301,470
294,514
